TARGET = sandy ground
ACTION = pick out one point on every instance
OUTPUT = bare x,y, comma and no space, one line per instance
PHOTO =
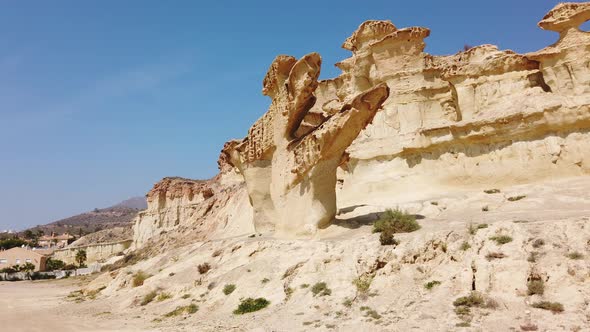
44,306
557,212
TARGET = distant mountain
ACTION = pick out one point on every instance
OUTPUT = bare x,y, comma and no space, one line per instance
118,215
138,203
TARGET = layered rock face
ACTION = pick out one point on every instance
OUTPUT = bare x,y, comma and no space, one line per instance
204,207
477,118
402,125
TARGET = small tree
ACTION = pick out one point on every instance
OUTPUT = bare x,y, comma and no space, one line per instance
81,257
54,264
28,267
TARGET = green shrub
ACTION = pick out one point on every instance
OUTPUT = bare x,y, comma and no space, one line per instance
472,300
363,283
485,208
501,239
465,246
482,226
139,278
491,191
54,264
396,221
185,296
149,297
536,287
304,286
265,280
386,238
228,289
321,289
430,285
189,309
546,305
575,255
251,305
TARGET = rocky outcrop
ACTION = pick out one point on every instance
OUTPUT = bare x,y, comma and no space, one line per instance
290,156
201,206
466,119
94,252
482,117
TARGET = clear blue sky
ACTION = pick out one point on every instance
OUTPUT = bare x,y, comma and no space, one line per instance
101,99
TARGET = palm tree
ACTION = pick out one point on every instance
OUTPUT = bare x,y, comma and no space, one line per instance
81,257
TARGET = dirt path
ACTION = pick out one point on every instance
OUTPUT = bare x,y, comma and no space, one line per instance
42,306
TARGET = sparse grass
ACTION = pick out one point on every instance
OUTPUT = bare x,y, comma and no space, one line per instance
148,298
386,238
189,309
575,255
472,300
462,310
463,324
464,304
347,302
204,268
501,239
264,281
472,229
164,297
491,191
430,285
495,255
304,286
321,289
554,307
228,289
465,246
538,243
139,278
363,283
396,221
289,292
251,305
372,313
536,287
529,327
516,198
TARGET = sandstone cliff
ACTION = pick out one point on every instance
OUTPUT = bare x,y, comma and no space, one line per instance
482,117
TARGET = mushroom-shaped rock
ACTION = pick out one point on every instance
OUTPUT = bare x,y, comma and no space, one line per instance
289,166
367,33
566,16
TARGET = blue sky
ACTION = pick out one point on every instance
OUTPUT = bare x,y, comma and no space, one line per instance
101,99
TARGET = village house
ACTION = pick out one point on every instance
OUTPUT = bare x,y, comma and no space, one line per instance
55,241
21,256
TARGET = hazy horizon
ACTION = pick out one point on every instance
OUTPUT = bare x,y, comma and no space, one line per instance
101,100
